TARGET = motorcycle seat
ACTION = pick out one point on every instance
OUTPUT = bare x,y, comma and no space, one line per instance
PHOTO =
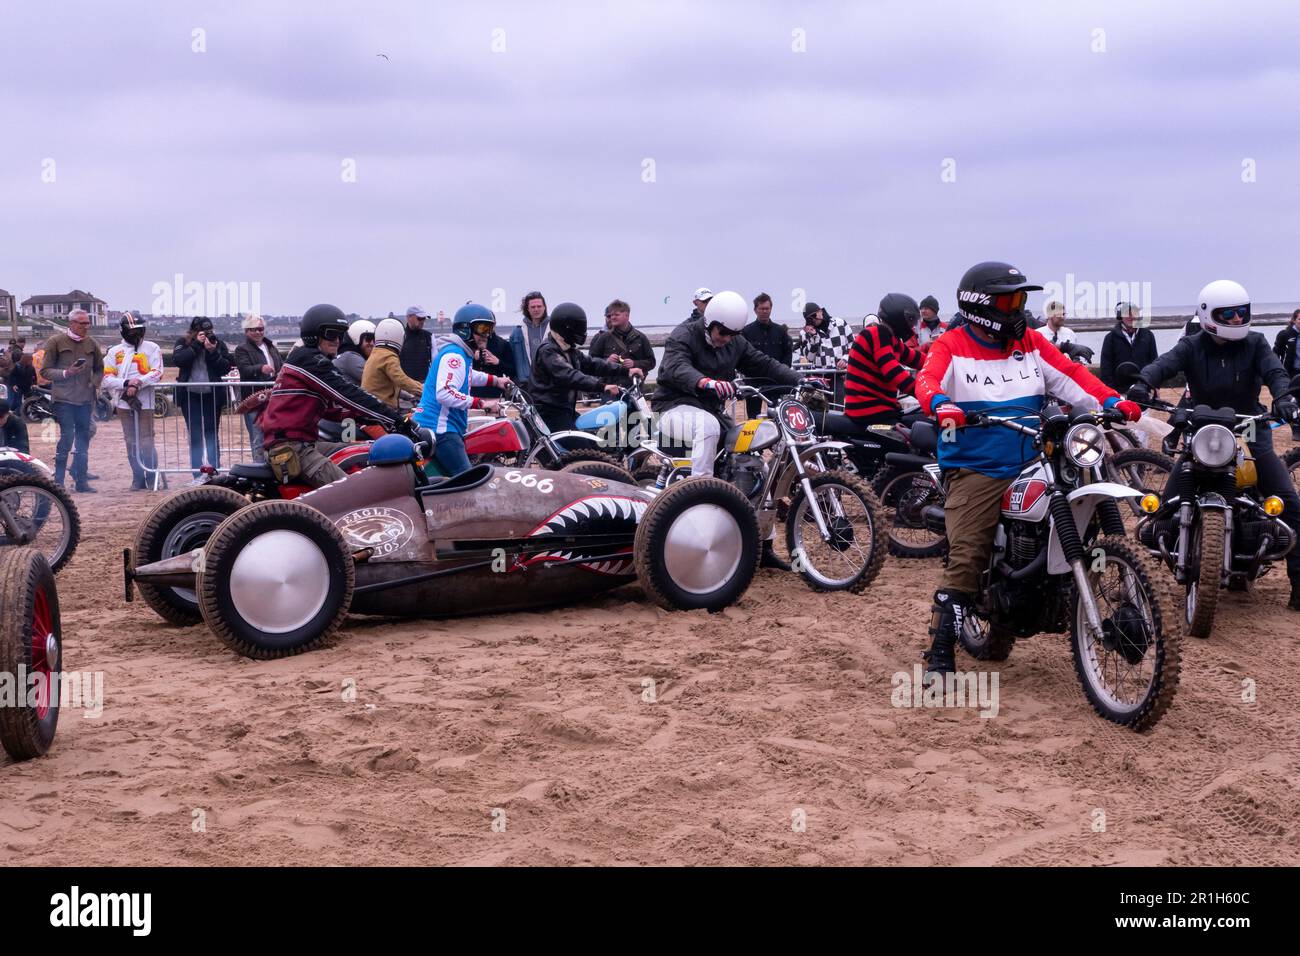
475,476
923,438
255,470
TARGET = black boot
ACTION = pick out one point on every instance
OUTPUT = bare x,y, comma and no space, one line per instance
945,623
770,559
60,469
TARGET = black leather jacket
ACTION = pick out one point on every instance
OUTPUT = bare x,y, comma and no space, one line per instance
1222,374
689,356
559,375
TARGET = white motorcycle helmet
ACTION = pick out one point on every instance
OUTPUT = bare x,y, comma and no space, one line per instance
1220,295
359,328
729,310
390,332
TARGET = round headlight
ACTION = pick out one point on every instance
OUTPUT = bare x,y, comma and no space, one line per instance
1085,445
1214,446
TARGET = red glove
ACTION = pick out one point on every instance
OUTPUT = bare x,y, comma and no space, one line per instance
1131,410
950,414
724,389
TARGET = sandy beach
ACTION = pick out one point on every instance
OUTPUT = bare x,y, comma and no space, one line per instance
768,736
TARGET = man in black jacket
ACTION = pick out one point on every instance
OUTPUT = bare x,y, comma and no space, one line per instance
1284,346
1126,342
620,342
770,338
698,375
1225,365
201,358
417,347
258,360
494,356
561,371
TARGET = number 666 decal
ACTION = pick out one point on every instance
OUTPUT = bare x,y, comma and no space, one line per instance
530,480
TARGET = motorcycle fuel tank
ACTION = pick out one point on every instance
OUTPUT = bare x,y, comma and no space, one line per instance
1026,499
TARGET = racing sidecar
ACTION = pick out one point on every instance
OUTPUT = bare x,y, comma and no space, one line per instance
276,577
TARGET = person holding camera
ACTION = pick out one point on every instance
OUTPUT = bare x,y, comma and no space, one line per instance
201,358
74,365
493,355
131,369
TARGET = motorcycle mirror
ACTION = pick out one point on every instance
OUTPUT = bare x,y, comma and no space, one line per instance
1126,374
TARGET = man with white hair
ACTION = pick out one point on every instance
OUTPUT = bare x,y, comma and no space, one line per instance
74,364
258,360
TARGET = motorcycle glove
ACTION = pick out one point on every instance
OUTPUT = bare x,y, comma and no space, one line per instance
1139,392
1286,409
950,414
724,389
1131,410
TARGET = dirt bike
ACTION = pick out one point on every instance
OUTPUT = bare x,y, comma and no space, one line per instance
1211,527
908,483
831,517
34,511
1060,562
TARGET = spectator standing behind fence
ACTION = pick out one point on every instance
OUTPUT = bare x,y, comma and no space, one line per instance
773,340
74,364
258,360
383,376
527,338
417,348
200,358
131,369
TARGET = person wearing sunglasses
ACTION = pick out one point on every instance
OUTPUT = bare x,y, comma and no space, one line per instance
446,399
258,360
1225,365
309,388
994,361
1128,341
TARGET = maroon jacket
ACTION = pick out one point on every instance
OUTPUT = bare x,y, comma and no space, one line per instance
309,388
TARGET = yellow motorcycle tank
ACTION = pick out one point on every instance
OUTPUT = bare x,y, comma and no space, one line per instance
753,435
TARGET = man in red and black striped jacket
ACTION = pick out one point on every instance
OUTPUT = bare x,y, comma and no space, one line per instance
878,363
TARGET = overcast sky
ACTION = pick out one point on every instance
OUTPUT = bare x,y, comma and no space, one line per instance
504,146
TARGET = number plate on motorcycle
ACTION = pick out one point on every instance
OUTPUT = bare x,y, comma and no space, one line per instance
797,419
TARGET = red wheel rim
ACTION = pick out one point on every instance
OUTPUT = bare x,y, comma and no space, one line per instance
42,630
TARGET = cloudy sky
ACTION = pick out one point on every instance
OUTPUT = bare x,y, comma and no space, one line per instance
639,150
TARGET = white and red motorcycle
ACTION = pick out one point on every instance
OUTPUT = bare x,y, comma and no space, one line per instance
1060,563
34,511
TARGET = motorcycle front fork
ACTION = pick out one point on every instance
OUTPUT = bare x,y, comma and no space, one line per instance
1185,516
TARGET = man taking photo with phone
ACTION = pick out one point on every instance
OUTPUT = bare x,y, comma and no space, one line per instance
74,364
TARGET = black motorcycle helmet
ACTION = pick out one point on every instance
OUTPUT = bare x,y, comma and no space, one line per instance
899,312
318,320
569,322
132,327
992,295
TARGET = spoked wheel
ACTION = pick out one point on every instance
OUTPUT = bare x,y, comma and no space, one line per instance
1142,469
1130,671
37,513
179,525
983,640
31,645
904,495
276,580
1203,591
855,551
697,546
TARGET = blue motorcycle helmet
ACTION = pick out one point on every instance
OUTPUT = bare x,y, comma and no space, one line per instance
473,318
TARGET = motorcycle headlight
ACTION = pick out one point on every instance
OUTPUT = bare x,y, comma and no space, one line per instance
1085,445
1213,446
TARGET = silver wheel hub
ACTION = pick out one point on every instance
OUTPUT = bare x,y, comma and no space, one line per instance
703,549
190,533
52,652
279,581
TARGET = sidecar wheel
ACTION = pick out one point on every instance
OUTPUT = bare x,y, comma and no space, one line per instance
31,643
276,580
602,470
178,524
697,546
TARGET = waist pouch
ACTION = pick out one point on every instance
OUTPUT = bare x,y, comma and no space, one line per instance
284,463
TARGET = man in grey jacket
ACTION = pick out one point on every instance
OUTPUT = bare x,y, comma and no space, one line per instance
74,363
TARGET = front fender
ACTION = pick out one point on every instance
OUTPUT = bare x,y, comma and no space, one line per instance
1083,503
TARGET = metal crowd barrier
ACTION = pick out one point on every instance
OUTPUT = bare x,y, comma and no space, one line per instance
201,426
